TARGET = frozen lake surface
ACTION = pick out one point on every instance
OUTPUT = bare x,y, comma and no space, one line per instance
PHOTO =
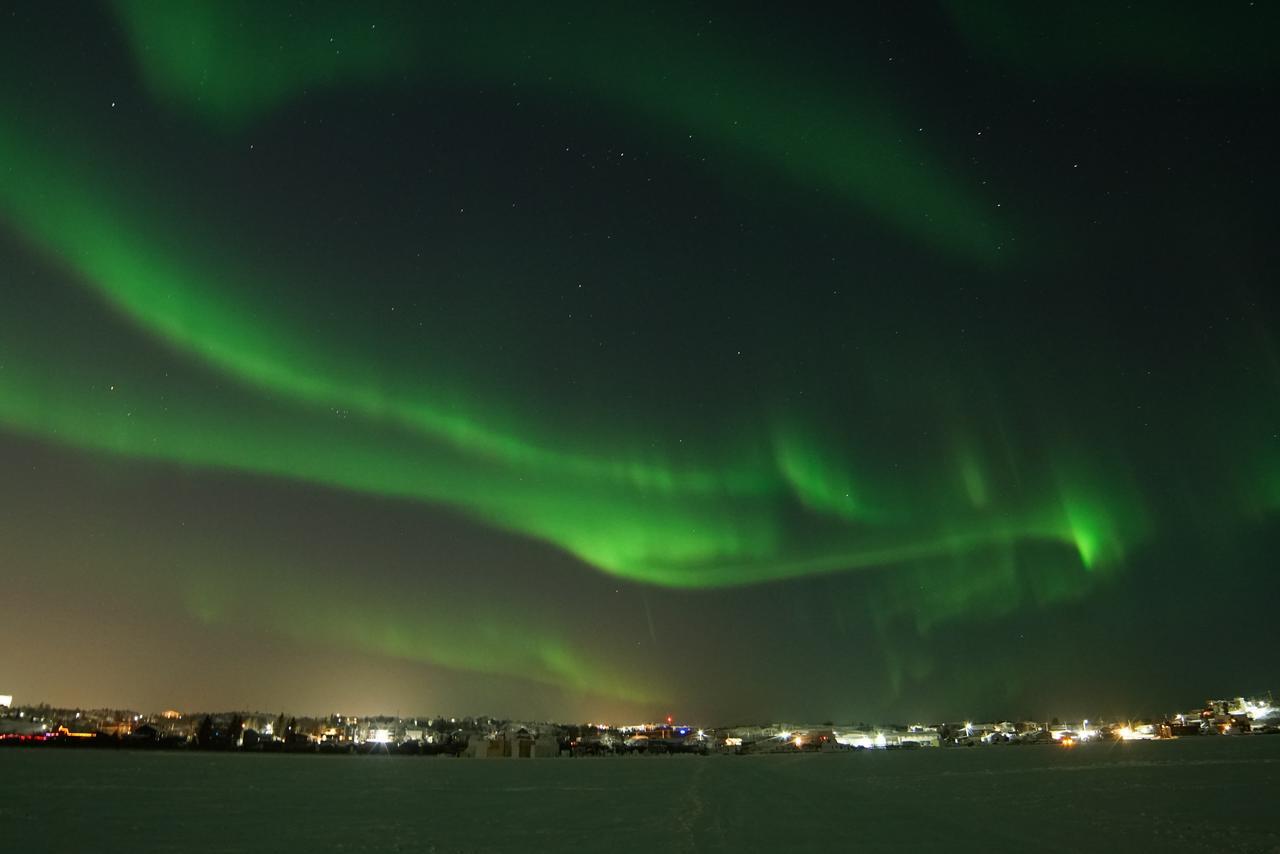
1207,794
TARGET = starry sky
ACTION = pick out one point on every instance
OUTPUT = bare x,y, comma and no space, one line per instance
556,360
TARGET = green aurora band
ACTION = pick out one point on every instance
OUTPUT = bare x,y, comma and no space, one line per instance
488,639
852,144
634,518
210,373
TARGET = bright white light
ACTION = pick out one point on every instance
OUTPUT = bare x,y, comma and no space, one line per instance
1142,733
1253,710
380,736
6,700
881,741
785,735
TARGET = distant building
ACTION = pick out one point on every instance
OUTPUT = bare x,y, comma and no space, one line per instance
888,738
514,744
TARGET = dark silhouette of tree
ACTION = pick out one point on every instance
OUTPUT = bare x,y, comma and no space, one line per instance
235,729
278,730
204,733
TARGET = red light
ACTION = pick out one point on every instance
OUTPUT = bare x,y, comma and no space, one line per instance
668,718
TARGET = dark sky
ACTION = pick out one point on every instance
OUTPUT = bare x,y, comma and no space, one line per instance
724,361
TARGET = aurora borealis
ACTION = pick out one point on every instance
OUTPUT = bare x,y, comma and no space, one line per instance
585,363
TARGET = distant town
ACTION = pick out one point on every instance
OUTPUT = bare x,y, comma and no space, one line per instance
491,738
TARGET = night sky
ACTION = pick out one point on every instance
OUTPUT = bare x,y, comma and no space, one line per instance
725,361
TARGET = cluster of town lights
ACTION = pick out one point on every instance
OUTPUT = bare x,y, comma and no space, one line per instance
1226,717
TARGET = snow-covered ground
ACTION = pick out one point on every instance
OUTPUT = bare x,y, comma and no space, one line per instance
1204,794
